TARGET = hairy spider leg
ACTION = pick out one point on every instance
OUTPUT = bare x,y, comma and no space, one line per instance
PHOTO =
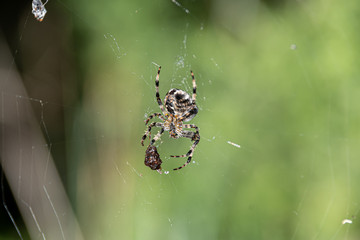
157,136
157,92
190,134
159,115
194,136
148,132
194,110
194,86
190,153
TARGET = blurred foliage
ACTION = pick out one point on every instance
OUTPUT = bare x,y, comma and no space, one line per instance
281,82
279,78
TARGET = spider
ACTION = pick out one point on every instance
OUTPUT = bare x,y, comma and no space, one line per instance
179,108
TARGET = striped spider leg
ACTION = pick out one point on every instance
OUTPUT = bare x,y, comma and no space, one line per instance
194,136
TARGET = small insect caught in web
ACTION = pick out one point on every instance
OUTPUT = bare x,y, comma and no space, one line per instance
152,158
38,9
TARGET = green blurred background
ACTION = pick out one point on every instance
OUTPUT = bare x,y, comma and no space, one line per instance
279,78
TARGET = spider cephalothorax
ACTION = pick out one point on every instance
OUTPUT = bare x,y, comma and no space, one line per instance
179,108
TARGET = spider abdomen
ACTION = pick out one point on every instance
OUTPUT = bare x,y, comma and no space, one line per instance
180,104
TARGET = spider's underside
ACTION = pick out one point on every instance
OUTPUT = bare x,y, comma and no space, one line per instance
179,108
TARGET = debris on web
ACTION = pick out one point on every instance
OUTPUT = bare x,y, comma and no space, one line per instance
346,221
115,47
38,9
234,144
179,5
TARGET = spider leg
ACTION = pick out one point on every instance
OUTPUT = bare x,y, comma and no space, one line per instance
148,131
194,136
154,115
190,154
193,111
194,86
186,134
157,92
157,136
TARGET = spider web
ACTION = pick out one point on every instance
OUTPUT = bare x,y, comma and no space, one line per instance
277,94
